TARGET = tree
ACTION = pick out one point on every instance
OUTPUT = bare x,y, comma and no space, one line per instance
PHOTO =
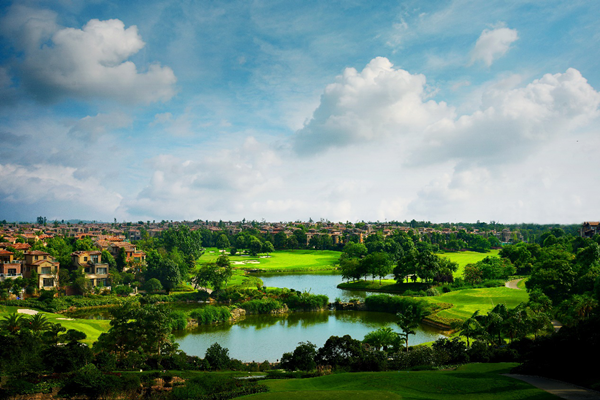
214,274
217,357
254,245
472,274
383,338
222,241
303,358
340,352
268,247
350,268
377,264
354,250
121,260
409,319
152,286
471,328
140,329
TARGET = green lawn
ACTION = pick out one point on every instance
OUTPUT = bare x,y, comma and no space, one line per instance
281,261
466,302
467,257
92,328
473,381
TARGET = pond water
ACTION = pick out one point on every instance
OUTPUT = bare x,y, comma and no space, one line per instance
267,337
324,283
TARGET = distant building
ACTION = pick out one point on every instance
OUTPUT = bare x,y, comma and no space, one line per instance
589,229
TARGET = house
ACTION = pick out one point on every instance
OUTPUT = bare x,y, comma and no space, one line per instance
589,229
9,267
94,269
44,265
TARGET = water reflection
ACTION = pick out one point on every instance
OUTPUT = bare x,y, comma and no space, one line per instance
267,337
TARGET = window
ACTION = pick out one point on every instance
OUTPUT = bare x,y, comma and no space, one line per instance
89,270
84,258
48,282
101,271
95,259
46,270
12,272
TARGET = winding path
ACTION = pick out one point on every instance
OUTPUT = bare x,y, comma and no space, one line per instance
561,389
513,284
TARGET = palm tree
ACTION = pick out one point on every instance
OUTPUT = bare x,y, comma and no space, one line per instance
38,323
383,338
409,318
471,328
12,323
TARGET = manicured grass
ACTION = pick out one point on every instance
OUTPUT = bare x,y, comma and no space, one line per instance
466,302
467,257
521,284
281,261
474,381
92,328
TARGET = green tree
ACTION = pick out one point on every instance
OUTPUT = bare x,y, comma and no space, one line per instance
409,319
384,338
268,247
302,358
214,274
153,286
217,357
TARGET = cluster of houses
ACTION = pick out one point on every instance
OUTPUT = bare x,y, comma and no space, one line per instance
117,237
46,268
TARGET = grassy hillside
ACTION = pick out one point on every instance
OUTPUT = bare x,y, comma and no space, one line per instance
284,261
466,302
467,257
473,381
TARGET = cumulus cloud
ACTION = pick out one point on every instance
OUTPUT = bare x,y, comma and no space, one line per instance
513,123
53,186
90,128
493,44
378,102
88,62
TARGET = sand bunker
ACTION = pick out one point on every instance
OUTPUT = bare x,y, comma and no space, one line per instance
27,311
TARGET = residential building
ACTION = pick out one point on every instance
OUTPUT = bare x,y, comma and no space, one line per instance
44,265
94,269
9,267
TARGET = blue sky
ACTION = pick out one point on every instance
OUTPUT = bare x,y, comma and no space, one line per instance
438,110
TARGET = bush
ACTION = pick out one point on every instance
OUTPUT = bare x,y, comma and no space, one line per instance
391,304
210,314
217,357
432,292
178,320
263,306
123,290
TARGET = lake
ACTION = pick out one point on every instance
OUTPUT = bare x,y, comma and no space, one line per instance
267,337
323,283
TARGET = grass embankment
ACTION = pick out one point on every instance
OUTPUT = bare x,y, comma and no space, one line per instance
92,328
467,257
281,261
466,302
473,381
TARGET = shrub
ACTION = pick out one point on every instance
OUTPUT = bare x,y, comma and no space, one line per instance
178,320
263,306
210,314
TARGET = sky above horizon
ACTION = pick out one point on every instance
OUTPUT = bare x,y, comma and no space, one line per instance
443,111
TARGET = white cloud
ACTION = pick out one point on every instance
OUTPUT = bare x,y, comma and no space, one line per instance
379,102
192,187
513,123
493,44
48,185
90,128
88,62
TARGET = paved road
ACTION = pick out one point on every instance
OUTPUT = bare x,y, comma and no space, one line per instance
563,390
513,284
